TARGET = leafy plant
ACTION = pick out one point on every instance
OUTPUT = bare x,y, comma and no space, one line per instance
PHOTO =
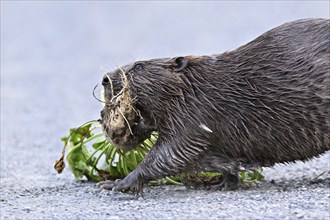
91,155
252,177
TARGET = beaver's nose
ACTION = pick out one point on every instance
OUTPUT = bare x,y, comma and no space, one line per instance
105,80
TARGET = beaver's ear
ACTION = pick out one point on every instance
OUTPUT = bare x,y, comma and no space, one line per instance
179,63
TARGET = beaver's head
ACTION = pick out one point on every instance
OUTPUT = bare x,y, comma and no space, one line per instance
138,97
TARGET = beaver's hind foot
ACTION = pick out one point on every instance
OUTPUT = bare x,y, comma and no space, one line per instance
229,182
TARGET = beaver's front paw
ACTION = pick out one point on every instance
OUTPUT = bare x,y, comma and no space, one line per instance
108,184
129,184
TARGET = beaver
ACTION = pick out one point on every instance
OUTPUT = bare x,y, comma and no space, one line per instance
264,103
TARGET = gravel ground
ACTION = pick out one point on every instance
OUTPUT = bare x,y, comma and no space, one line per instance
54,197
50,54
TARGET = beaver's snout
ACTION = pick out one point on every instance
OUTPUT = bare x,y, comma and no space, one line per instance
118,134
126,137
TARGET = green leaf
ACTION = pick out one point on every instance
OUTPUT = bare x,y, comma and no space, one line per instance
98,143
85,162
77,161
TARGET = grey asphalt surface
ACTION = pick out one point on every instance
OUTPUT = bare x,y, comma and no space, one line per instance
50,57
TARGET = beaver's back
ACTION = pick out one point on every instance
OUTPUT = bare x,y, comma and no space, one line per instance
271,97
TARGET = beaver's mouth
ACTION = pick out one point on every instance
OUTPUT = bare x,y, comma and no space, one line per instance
125,134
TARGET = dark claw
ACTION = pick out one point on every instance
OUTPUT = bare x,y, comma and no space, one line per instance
121,186
128,184
117,185
108,184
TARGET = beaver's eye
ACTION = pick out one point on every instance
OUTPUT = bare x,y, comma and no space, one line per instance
138,67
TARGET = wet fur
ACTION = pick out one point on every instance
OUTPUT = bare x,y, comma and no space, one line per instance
266,102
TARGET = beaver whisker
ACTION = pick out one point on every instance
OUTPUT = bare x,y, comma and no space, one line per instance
95,95
131,56
110,81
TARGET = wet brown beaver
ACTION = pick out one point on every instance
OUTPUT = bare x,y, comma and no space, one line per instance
266,102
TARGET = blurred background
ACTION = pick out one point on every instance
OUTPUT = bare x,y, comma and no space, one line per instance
51,52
